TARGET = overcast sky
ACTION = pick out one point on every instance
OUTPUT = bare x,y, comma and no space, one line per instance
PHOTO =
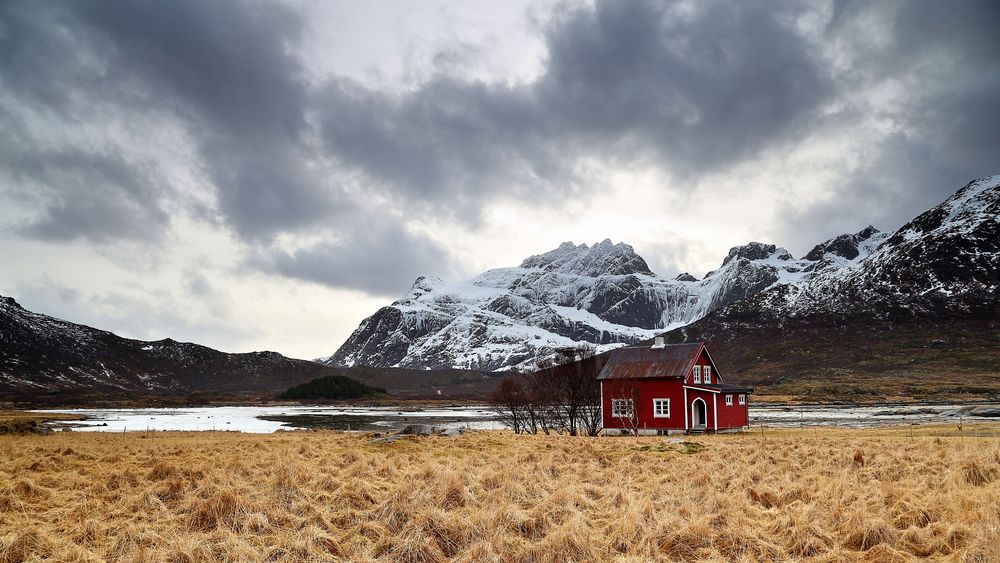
263,175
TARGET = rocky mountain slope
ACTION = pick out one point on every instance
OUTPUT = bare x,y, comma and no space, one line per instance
42,355
602,296
919,317
943,263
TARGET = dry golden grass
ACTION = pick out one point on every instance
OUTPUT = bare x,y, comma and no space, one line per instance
823,495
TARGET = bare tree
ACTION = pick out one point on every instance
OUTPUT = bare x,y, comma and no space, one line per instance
542,404
563,395
573,392
509,402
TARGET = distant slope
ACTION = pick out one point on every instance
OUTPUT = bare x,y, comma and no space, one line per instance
42,356
856,359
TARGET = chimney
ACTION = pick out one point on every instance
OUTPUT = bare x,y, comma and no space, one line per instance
658,343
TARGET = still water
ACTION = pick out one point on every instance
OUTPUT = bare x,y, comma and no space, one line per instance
258,419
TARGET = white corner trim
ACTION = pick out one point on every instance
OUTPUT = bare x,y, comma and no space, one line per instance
715,411
686,409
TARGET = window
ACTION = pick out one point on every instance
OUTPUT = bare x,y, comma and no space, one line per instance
743,399
707,370
697,374
661,408
729,400
621,408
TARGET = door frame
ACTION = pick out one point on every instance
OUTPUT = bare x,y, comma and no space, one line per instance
696,421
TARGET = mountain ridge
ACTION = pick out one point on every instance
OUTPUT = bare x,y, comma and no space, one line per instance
602,296
918,319
41,355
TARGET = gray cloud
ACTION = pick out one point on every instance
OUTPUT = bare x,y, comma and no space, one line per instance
690,89
225,70
379,260
625,81
83,194
947,128
700,91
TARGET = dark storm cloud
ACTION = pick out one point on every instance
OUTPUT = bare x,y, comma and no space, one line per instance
692,89
226,70
700,92
228,62
86,191
379,260
947,127
626,80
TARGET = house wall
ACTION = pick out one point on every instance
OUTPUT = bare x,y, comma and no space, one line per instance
643,392
735,416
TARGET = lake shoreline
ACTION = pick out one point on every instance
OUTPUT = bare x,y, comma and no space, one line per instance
388,418
170,402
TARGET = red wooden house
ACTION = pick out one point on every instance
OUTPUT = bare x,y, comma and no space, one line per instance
668,388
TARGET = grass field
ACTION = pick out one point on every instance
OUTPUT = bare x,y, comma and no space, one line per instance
825,495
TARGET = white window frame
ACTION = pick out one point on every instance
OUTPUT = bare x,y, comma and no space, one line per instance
618,412
657,412
706,375
729,400
697,374
743,399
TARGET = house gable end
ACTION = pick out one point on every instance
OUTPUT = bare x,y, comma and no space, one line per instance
716,374
697,360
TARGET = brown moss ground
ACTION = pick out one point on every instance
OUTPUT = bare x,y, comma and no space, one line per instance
824,495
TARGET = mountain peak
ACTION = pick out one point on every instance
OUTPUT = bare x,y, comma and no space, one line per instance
867,232
603,259
846,245
756,251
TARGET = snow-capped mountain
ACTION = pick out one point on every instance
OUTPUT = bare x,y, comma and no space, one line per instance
41,355
917,317
945,261
603,296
